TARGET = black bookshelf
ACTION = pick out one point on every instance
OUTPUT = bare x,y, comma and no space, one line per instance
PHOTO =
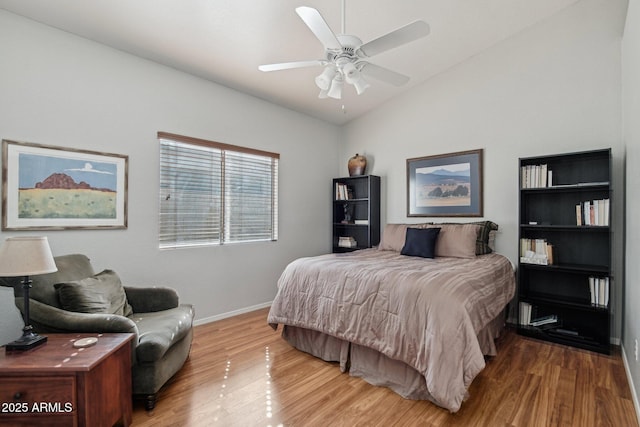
356,212
564,268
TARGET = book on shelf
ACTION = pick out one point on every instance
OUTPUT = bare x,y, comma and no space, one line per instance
347,242
361,221
551,319
343,192
593,212
536,251
579,214
549,249
525,313
534,176
599,291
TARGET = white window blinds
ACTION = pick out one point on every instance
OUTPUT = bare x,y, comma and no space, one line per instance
213,193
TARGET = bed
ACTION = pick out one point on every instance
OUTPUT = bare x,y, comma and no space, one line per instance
419,325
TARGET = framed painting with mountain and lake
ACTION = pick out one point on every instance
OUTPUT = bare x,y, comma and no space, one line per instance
52,188
445,185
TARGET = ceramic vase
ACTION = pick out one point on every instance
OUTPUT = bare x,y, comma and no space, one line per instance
357,165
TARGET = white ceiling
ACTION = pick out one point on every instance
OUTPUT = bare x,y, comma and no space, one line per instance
225,40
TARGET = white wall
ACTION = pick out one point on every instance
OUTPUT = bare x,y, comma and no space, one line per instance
62,90
631,136
553,88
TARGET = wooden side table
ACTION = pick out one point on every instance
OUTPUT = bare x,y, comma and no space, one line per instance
57,384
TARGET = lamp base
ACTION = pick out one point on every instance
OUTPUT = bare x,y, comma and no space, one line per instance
26,342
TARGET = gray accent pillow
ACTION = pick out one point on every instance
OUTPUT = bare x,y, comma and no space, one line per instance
101,293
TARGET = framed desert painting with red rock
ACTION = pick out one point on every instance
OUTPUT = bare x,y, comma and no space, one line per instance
53,188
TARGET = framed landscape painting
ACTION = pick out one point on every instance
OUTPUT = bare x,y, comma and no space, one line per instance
445,185
52,188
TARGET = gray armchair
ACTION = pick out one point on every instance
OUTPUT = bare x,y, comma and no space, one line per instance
75,299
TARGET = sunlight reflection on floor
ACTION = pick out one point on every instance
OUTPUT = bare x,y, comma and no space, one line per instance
269,407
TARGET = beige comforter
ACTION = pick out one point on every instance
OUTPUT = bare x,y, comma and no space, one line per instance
424,312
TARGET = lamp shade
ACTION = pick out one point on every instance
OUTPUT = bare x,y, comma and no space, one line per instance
26,256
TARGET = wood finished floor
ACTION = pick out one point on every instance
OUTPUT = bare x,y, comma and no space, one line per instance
242,373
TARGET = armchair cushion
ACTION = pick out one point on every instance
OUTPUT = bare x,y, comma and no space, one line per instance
148,299
160,330
49,319
101,293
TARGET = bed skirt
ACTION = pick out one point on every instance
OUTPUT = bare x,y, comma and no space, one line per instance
373,366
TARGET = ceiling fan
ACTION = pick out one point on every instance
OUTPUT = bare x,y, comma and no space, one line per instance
346,54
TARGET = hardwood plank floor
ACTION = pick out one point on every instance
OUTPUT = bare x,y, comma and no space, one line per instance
242,373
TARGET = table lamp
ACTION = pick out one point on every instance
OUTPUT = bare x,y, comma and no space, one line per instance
26,256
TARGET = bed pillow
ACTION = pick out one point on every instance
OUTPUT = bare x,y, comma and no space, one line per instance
456,240
485,241
486,236
101,293
393,237
491,243
420,242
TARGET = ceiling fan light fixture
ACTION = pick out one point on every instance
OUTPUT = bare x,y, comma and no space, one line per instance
350,72
346,56
335,91
361,85
324,79
354,77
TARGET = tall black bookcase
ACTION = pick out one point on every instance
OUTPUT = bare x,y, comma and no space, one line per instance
356,212
565,261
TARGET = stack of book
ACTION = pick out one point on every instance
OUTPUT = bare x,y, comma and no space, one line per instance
343,192
535,176
526,319
593,212
599,289
525,313
551,319
536,251
347,242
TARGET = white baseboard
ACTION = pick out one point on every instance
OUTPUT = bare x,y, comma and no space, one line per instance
231,313
634,395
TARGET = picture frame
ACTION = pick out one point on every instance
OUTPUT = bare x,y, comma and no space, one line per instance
54,188
445,185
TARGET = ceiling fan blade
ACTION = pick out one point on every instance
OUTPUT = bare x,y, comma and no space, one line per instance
406,34
290,65
319,27
384,74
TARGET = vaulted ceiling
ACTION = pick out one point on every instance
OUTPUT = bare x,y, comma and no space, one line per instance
226,40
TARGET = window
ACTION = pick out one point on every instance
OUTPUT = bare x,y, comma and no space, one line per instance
213,193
